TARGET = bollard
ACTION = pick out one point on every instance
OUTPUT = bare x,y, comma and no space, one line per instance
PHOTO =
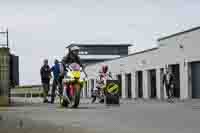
20,124
31,96
25,97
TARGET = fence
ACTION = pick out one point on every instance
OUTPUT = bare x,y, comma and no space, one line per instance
27,92
30,92
4,76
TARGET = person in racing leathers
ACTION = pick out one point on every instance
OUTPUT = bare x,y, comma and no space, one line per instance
72,57
104,75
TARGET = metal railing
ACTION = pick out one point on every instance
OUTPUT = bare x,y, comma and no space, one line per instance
27,93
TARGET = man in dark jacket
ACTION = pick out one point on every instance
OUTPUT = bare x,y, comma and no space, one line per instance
168,81
45,74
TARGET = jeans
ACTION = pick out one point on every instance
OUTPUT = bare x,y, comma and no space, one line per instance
46,88
56,83
169,90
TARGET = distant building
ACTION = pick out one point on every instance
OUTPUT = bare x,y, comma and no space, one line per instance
9,69
93,53
141,73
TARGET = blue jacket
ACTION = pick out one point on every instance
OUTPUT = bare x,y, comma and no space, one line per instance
56,71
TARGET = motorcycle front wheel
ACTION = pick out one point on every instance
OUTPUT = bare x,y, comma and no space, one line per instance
63,100
75,100
64,103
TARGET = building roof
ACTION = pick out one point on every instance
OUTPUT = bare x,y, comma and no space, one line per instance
144,51
98,57
136,53
100,44
179,33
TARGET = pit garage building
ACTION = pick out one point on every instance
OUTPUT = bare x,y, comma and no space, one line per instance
140,74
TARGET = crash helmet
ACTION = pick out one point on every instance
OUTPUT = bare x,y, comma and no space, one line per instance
104,68
75,48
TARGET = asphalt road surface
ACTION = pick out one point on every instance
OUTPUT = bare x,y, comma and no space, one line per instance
138,117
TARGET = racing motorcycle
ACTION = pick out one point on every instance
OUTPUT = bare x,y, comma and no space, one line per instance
72,85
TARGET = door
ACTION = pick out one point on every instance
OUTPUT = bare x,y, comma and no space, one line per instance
176,72
196,80
140,84
92,84
119,78
128,84
153,83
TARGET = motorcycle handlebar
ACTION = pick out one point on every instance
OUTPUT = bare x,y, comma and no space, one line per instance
82,70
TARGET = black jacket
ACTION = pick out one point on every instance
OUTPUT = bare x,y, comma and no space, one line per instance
71,58
45,74
171,79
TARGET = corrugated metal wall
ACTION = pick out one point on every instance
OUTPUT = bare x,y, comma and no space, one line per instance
4,76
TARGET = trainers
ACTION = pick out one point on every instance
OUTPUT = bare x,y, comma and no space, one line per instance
52,102
101,101
45,101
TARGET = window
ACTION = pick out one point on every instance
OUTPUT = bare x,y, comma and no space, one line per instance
83,52
80,52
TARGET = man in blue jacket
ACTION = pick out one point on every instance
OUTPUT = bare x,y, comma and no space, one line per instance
56,81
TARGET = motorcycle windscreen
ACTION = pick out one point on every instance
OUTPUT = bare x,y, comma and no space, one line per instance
75,67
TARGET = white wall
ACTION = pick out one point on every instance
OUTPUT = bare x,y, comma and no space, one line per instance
168,52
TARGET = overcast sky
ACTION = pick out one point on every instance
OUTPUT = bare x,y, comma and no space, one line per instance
42,28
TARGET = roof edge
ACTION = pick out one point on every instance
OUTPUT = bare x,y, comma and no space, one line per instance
144,51
179,33
140,52
104,44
